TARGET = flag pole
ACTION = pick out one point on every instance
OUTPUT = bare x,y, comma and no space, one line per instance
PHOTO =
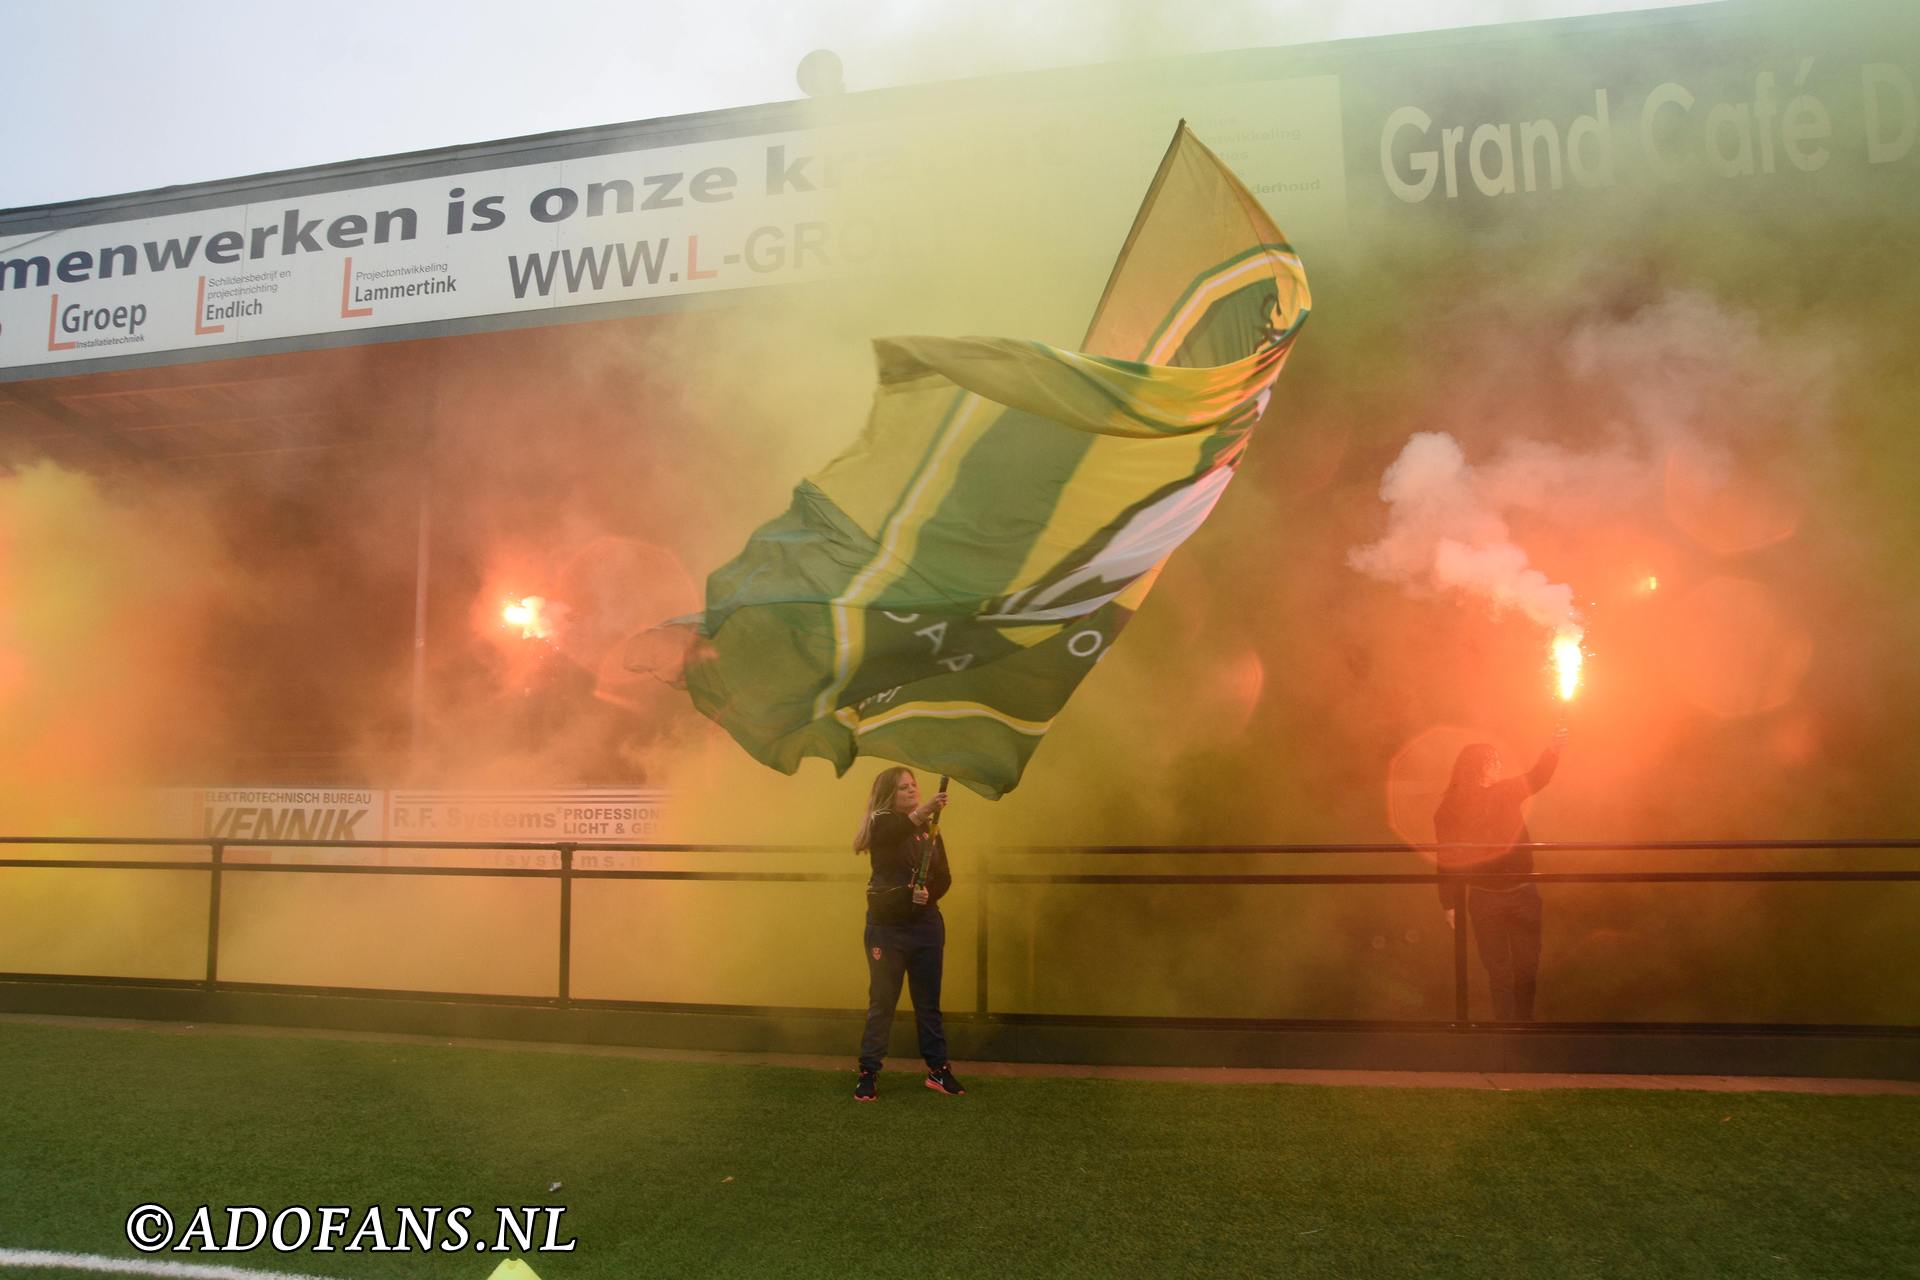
1133,233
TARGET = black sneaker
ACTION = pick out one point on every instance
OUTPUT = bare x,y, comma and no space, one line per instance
868,1090
942,1079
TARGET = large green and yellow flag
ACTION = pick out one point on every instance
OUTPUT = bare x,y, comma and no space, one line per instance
936,594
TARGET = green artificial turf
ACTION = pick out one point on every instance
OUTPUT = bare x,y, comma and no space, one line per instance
680,1169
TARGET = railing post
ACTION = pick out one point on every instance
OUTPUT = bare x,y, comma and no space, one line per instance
980,932
213,912
1460,961
566,923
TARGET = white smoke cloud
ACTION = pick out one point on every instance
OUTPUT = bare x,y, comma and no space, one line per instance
1683,373
1446,532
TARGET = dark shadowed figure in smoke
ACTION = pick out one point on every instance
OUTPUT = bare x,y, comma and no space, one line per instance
1483,809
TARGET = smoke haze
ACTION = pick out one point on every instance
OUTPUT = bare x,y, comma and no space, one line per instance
1680,415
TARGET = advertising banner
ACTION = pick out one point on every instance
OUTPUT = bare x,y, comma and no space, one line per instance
580,815
658,226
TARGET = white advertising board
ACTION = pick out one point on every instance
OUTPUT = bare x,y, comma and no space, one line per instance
580,815
665,222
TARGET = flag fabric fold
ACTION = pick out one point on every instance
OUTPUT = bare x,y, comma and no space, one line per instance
937,592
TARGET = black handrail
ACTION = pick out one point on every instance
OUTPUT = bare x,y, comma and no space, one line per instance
551,846
219,865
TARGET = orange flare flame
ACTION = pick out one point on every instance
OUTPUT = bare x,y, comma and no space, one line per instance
1567,658
529,613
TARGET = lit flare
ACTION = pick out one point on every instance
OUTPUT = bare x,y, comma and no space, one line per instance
529,613
1567,658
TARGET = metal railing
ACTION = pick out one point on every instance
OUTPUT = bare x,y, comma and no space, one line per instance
218,867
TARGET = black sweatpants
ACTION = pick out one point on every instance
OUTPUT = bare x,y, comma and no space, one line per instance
916,952
1506,924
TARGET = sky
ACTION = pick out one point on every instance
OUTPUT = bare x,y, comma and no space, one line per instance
111,96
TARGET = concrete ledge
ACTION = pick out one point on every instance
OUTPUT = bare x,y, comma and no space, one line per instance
1842,1052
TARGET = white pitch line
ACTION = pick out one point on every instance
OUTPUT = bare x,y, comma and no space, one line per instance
100,1264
